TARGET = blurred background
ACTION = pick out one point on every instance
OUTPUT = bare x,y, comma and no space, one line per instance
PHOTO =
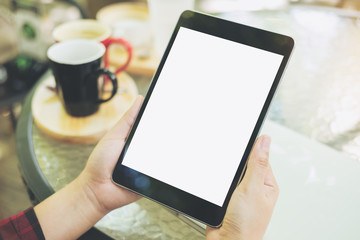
25,35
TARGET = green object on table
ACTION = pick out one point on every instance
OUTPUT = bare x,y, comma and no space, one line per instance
28,31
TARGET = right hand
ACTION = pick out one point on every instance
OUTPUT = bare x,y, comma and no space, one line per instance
253,201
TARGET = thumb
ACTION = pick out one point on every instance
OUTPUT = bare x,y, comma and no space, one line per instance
108,150
258,162
122,128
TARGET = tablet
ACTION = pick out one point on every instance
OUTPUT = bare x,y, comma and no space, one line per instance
204,108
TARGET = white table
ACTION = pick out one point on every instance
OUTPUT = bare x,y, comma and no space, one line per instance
319,189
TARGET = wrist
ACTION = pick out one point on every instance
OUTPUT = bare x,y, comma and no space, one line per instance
73,208
90,197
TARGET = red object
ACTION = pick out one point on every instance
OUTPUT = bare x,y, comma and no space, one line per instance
107,42
24,225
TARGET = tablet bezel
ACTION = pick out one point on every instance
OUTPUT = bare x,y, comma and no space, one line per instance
172,197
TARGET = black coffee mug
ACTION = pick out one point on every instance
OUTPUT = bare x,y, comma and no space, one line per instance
76,65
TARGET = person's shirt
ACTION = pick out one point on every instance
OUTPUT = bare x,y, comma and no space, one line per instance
24,225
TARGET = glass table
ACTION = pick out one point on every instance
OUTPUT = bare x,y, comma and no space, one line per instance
319,92
318,100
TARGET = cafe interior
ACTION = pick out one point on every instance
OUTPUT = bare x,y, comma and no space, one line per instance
313,120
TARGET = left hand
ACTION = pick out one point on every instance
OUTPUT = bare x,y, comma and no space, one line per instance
96,177
74,209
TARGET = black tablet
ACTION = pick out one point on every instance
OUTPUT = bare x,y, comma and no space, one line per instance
209,96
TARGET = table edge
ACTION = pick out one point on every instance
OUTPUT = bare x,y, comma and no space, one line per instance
30,168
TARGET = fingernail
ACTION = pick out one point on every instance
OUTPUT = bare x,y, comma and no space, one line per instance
265,143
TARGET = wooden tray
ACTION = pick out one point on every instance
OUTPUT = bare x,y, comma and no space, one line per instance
51,118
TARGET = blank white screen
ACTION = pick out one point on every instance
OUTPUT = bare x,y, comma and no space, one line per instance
201,114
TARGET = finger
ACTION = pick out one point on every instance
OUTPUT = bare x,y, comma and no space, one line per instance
271,188
270,178
111,145
258,162
211,232
121,130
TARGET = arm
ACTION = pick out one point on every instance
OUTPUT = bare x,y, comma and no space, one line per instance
73,210
24,225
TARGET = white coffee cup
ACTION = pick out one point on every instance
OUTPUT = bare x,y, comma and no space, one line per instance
163,17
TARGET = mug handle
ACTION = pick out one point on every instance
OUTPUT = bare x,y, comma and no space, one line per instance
112,77
128,48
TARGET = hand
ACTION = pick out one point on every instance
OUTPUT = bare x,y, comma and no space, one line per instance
84,201
253,201
96,176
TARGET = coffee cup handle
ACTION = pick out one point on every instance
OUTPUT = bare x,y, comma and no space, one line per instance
128,48
113,80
